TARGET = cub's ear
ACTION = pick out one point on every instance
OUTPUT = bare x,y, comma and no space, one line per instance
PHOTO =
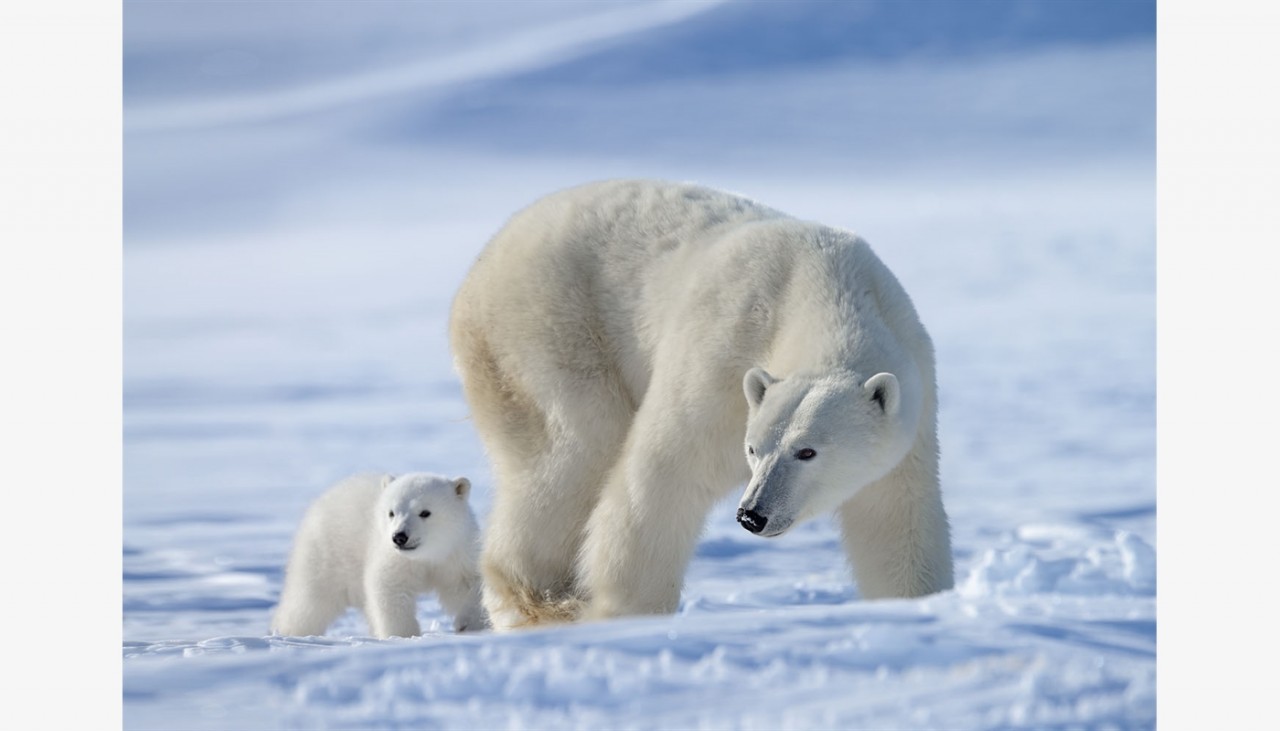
883,389
387,480
462,487
754,385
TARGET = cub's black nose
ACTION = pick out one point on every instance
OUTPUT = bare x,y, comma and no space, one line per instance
400,538
751,520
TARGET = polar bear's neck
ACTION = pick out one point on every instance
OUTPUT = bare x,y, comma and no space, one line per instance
835,317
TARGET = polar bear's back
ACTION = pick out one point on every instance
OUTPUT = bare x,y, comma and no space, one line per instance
609,239
650,216
592,279
596,270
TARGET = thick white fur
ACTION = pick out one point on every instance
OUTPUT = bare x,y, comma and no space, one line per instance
605,338
344,556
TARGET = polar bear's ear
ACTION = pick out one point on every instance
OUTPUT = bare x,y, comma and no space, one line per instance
462,487
754,385
387,480
883,389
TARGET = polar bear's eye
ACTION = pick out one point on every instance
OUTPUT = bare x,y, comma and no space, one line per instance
806,453
751,450
425,514
392,514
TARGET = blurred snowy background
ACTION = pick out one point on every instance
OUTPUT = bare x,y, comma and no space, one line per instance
305,183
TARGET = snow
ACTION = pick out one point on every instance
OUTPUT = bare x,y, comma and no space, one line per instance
304,193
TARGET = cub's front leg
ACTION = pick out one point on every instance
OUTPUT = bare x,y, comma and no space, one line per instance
390,607
460,598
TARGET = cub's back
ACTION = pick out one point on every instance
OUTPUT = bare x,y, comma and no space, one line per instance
336,528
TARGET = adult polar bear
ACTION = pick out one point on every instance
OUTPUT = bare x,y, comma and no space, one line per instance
605,338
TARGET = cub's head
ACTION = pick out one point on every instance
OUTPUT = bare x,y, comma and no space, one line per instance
424,516
813,441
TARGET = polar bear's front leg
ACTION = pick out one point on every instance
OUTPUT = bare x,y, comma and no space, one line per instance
642,533
639,542
896,533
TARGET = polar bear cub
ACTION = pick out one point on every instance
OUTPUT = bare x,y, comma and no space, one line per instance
376,542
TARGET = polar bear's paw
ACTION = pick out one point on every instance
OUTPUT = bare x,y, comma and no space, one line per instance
522,607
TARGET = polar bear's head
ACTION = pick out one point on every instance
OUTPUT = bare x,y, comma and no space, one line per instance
813,441
424,516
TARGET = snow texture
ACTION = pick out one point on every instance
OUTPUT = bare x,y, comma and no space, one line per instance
306,184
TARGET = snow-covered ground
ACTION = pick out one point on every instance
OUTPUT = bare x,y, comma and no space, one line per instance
306,184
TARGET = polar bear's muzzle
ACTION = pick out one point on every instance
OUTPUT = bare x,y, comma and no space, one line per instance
762,510
751,520
761,525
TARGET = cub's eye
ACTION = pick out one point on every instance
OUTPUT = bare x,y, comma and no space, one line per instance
425,514
806,453
392,514
751,450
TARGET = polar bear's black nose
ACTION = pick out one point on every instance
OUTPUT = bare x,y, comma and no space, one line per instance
751,520
400,538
